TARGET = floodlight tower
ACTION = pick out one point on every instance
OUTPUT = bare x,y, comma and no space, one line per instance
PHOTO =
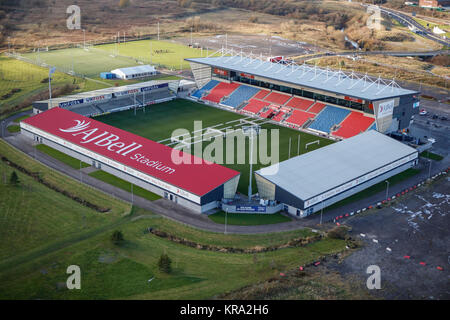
246,130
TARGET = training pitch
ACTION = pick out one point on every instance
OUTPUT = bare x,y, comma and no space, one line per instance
159,121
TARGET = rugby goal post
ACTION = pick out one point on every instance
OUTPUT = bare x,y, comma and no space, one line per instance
180,142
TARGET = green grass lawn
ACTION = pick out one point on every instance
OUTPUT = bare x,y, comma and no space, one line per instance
124,185
27,80
227,240
58,155
245,219
122,272
34,217
90,63
375,188
17,120
160,120
42,232
13,128
147,50
61,181
431,155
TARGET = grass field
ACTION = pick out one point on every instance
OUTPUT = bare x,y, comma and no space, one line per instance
431,155
88,62
102,58
241,219
166,53
160,120
42,232
122,272
22,82
124,185
13,128
64,158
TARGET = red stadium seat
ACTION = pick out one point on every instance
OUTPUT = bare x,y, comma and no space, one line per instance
354,124
299,117
261,94
299,103
277,98
316,107
255,106
221,90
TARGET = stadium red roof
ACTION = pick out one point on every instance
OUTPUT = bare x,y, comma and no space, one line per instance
195,175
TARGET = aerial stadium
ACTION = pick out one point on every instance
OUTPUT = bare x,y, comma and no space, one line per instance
329,112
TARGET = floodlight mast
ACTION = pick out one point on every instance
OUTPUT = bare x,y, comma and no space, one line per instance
252,128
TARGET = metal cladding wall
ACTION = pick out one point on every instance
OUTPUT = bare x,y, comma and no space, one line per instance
405,111
289,199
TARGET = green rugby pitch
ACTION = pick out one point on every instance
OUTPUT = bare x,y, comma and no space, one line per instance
160,120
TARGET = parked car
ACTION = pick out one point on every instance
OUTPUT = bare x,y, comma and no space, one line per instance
423,112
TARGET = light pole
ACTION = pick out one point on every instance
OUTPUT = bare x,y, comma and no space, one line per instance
321,213
387,188
132,196
84,38
226,217
429,169
81,176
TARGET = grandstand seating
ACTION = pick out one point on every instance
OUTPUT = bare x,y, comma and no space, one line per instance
278,117
241,94
262,94
221,90
299,103
267,113
354,124
199,93
87,110
277,98
116,103
316,107
329,117
255,106
299,117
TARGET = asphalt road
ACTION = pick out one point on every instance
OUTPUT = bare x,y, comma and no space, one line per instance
408,21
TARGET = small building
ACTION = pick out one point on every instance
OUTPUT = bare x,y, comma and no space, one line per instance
107,75
307,183
434,3
134,72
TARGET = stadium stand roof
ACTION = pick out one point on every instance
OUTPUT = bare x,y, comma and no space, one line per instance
330,80
135,70
324,169
197,177
105,91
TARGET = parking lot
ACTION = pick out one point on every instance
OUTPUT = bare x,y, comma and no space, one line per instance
409,242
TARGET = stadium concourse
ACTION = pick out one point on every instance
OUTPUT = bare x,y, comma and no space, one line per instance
321,101
103,101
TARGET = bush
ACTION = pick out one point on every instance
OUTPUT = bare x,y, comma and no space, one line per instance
338,233
14,179
117,237
164,263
